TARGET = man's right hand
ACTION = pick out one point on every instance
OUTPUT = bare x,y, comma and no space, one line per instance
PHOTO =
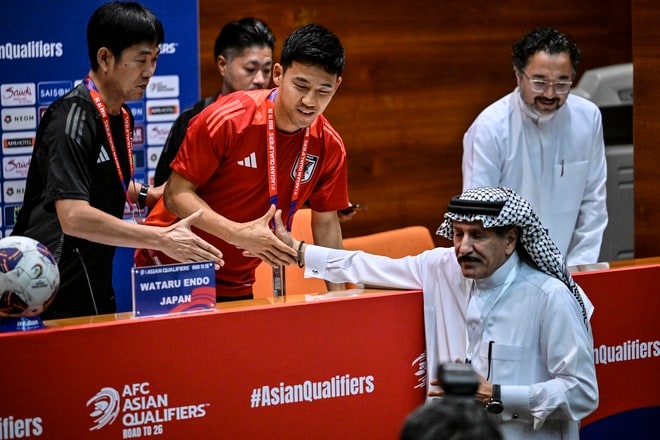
258,240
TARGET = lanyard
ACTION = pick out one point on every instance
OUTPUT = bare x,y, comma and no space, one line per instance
103,111
272,163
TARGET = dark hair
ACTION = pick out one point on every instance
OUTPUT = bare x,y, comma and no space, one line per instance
450,418
315,45
120,25
236,36
547,40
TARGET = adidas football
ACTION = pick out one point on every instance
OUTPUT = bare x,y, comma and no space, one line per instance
29,277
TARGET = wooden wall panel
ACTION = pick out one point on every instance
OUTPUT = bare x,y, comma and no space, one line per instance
417,74
646,59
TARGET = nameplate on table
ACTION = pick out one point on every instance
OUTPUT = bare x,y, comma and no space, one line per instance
173,288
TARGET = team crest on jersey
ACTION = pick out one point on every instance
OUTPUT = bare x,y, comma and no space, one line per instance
310,165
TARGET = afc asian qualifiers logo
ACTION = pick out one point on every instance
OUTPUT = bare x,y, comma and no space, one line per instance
163,86
140,412
310,165
105,407
420,363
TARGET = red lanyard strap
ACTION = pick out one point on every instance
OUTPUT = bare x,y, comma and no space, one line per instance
272,163
103,111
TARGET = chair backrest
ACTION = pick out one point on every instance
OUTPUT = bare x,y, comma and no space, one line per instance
395,243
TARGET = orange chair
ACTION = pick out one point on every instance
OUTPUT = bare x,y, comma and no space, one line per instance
395,243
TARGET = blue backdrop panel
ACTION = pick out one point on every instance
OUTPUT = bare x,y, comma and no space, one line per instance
43,54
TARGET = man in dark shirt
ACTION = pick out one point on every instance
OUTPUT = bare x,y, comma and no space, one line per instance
80,175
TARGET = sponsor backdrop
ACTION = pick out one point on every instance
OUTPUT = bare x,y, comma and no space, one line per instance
345,368
270,371
43,54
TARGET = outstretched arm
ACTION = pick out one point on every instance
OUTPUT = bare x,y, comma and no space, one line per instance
357,267
327,232
254,236
79,219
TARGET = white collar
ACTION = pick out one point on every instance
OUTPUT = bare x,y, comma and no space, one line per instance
501,275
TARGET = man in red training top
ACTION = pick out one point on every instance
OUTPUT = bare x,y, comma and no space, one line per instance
252,151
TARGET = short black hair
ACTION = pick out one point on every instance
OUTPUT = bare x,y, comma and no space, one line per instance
315,45
544,39
236,36
120,25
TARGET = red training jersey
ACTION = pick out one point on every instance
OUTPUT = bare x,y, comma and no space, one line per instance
225,154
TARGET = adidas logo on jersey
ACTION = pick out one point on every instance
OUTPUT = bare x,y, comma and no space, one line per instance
249,161
103,155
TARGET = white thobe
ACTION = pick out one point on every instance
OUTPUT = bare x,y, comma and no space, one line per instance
542,353
558,165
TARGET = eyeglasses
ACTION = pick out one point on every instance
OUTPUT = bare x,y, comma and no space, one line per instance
541,85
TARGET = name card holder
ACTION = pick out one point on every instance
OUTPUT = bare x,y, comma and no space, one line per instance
173,288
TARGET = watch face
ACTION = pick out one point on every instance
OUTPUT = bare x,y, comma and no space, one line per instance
495,407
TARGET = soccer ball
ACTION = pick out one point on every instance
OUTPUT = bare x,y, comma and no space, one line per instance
29,277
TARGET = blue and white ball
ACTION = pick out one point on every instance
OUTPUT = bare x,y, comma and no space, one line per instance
29,277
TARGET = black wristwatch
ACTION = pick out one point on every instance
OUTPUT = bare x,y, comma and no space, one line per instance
494,405
142,196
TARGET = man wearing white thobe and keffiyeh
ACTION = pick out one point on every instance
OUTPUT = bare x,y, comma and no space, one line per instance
520,319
